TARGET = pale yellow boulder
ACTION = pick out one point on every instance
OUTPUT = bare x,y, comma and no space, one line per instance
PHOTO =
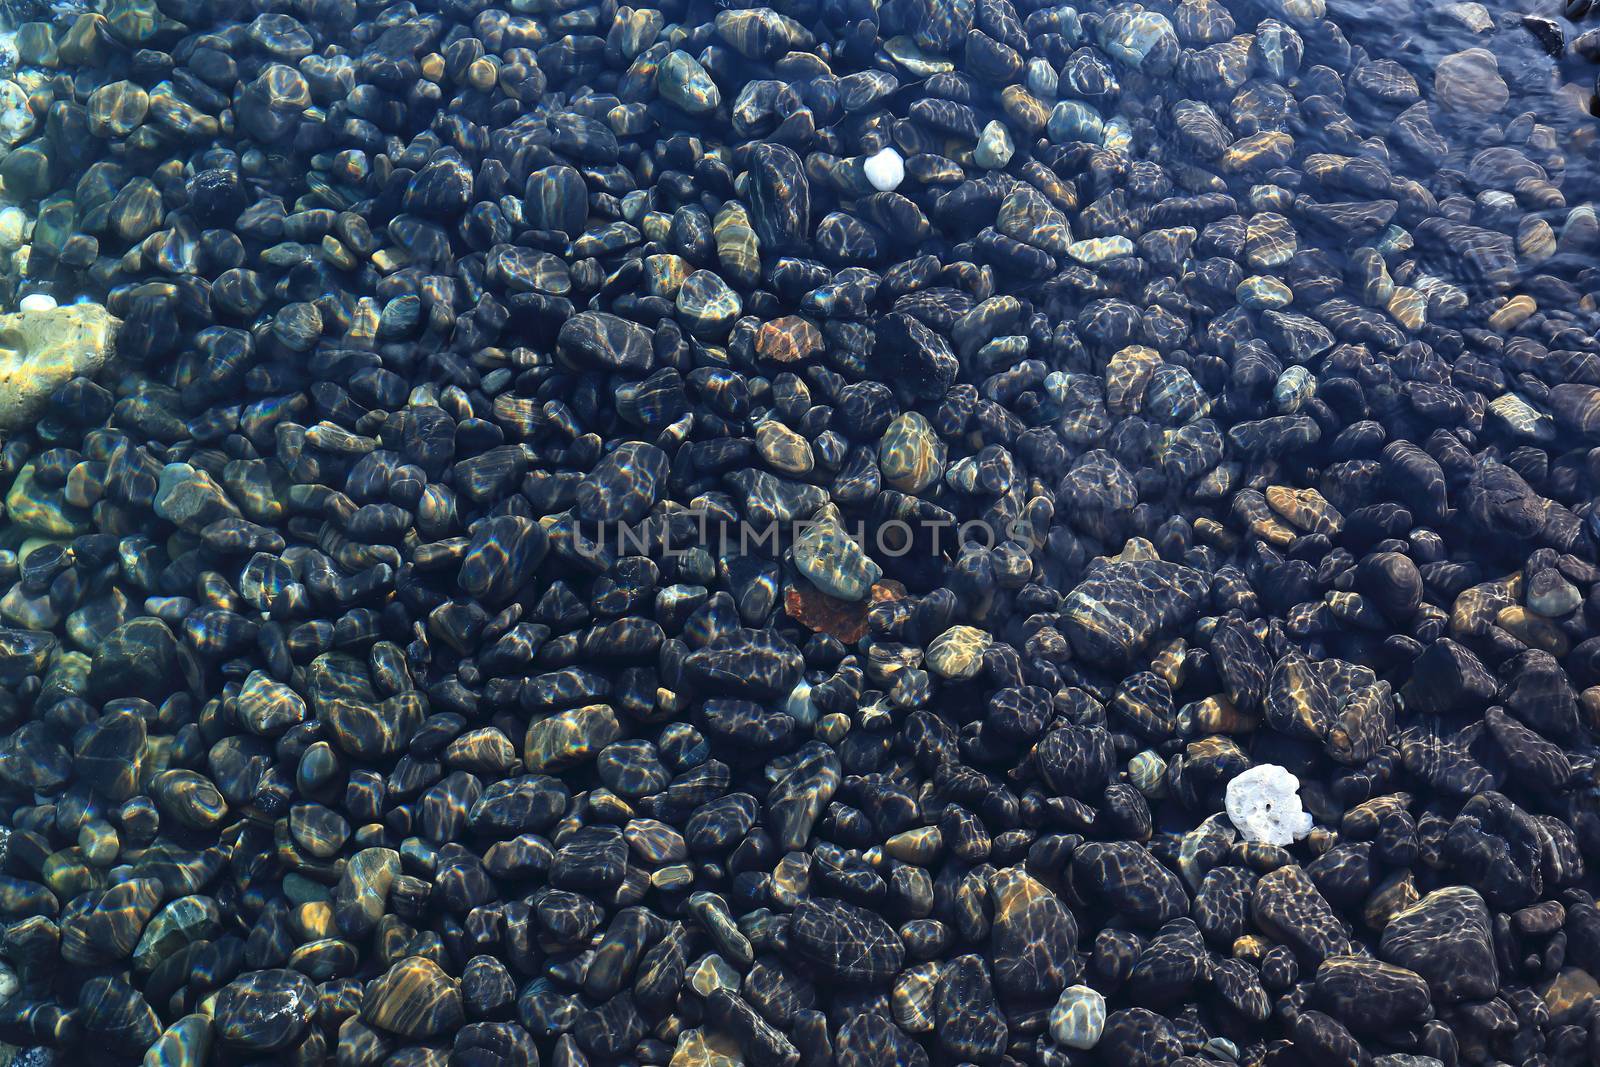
41,350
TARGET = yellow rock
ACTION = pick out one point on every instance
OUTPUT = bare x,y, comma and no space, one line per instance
672,877
67,873
1513,313
1306,509
697,1048
1535,238
1127,374
664,274
1215,714
1531,630
570,737
1170,662
1569,994
1135,549
1409,307
41,350
657,226
1475,608
338,253
42,511
912,999
832,728
1589,701
783,449
313,920
919,846
910,453
482,73
1271,148
1395,894
1250,510
1250,947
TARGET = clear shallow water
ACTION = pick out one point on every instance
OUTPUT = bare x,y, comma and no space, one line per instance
1556,88
369,696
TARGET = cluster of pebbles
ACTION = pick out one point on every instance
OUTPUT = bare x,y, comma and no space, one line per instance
1117,397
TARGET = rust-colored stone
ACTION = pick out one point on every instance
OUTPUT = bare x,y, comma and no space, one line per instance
843,619
788,339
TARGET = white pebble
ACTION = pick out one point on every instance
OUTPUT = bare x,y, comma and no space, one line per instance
17,119
13,228
1264,805
1079,1017
885,170
1474,17
37,302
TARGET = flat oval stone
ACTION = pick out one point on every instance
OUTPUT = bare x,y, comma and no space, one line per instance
848,943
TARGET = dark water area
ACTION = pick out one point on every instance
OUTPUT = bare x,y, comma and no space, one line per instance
840,534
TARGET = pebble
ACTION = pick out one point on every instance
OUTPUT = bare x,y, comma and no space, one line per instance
1474,17
957,654
834,561
885,170
684,82
910,454
17,120
1513,313
1470,80
994,149
14,224
1445,937
1078,1017
414,998
1100,249
784,449
48,346
1264,294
